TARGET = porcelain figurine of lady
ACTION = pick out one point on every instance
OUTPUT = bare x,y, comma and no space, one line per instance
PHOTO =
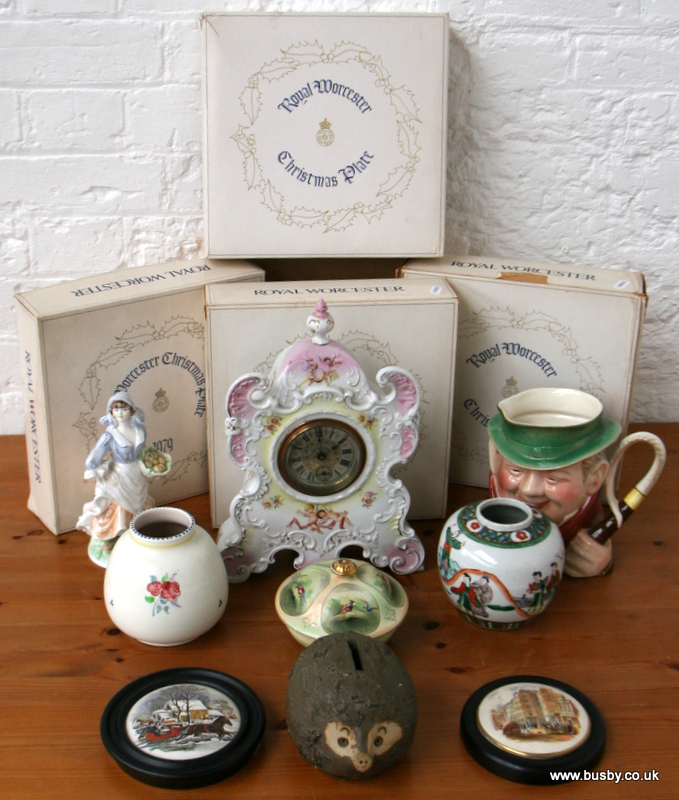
548,449
117,463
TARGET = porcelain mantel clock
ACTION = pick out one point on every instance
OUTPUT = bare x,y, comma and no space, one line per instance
317,442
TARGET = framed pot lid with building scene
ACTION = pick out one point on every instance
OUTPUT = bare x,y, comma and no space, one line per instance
531,729
183,728
325,134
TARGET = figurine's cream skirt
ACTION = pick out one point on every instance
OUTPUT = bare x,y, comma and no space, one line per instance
119,495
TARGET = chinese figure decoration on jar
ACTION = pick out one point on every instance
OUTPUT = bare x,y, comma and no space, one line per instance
317,442
548,450
122,465
500,562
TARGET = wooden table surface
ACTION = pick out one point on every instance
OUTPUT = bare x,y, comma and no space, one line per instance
614,638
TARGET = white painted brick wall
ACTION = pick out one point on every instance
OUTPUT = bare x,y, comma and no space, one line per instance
563,133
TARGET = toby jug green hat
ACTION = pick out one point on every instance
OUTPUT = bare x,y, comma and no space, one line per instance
549,428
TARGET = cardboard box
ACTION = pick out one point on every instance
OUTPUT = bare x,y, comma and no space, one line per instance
325,134
137,330
411,324
524,325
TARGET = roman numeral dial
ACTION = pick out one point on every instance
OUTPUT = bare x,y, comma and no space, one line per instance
322,457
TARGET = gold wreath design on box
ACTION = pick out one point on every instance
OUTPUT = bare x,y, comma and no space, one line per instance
402,102
317,442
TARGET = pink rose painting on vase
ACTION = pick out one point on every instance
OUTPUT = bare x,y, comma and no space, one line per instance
163,593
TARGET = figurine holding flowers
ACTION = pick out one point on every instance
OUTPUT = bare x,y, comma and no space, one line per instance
122,465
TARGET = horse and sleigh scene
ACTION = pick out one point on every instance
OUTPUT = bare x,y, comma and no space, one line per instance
183,721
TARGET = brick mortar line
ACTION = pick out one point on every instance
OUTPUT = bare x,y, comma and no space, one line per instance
63,155
112,216
497,22
88,87
24,155
126,89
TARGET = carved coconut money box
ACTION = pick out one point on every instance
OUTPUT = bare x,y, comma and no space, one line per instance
351,706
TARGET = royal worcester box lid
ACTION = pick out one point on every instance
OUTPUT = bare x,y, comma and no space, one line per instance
341,292
139,330
133,284
556,275
525,325
325,134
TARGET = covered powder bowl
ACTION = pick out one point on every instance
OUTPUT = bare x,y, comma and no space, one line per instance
341,596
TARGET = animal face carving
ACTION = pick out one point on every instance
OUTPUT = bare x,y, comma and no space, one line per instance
351,707
342,739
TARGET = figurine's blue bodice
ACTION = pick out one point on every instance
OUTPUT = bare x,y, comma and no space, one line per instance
123,454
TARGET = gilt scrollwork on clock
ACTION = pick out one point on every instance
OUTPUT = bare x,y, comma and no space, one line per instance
375,353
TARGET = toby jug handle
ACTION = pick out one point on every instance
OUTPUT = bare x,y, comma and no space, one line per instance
634,498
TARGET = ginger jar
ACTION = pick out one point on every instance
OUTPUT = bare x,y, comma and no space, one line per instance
165,583
500,562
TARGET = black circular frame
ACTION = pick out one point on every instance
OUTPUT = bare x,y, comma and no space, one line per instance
186,773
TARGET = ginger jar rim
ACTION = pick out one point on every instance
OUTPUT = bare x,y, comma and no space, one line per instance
162,514
499,502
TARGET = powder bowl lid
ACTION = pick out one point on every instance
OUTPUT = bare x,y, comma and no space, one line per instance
183,728
525,728
341,595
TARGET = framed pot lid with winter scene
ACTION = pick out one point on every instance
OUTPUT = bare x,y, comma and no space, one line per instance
325,134
183,728
527,728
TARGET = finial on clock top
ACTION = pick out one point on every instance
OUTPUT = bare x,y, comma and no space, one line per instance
320,323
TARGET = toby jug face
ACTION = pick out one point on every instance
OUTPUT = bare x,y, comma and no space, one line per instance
548,449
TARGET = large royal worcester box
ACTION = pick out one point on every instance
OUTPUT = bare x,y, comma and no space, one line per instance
524,325
409,324
325,134
139,330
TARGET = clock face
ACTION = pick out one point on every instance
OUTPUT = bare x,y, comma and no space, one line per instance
322,457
